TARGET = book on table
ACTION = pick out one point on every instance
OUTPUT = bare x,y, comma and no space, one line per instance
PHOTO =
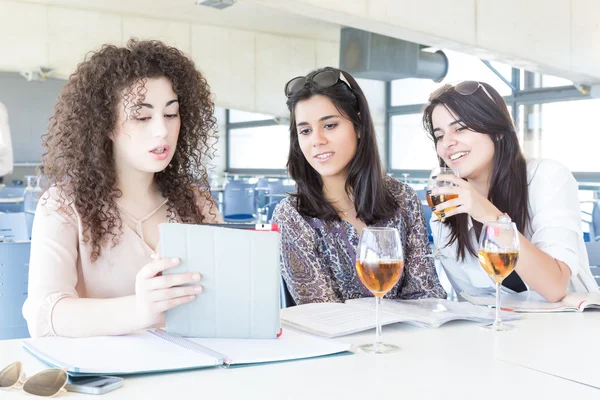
531,302
158,351
356,315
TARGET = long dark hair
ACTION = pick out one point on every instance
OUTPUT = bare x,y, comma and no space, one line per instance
78,157
372,200
508,184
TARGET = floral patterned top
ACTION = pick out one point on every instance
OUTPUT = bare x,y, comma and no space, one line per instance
318,257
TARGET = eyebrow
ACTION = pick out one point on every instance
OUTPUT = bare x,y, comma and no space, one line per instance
151,106
458,121
325,118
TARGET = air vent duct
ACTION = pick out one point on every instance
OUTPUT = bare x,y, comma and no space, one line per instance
372,56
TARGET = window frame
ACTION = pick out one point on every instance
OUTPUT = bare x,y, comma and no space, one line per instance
517,98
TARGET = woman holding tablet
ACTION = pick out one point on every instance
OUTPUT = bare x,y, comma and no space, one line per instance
342,189
123,154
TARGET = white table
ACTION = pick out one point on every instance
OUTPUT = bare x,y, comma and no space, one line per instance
456,361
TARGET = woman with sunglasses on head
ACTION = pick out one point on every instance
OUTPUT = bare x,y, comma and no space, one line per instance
474,135
341,189
124,153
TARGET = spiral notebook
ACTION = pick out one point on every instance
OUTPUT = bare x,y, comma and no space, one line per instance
157,351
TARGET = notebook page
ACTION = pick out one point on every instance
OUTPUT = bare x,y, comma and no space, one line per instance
528,301
432,312
582,301
334,319
290,345
136,353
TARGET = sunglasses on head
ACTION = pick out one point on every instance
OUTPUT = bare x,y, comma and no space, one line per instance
324,79
465,88
46,383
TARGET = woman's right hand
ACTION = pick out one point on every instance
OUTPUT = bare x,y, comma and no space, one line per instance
156,293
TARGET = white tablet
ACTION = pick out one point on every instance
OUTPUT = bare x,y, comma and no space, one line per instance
240,276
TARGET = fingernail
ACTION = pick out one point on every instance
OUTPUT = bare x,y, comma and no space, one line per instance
429,191
198,289
175,260
443,215
433,209
196,277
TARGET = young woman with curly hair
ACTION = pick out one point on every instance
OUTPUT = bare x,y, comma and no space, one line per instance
124,153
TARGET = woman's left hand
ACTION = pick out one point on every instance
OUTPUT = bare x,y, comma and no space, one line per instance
469,201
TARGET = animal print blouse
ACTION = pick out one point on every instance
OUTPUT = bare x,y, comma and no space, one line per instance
318,257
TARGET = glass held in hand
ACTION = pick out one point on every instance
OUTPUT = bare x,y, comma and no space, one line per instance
379,264
434,201
498,256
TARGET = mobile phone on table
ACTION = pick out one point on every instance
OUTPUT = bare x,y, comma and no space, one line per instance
93,384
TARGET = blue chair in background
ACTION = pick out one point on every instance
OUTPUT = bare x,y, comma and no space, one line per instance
269,208
14,227
12,199
285,298
593,250
14,271
239,202
427,211
262,191
277,192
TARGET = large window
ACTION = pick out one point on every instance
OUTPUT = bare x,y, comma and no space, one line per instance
564,131
256,143
554,118
411,147
263,147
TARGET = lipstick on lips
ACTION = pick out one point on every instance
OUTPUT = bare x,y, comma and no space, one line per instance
160,152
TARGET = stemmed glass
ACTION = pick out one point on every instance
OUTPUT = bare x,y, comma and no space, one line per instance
434,201
498,255
379,264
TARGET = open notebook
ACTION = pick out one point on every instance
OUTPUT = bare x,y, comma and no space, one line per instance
157,351
338,319
531,301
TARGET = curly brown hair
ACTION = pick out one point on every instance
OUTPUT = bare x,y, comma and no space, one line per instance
79,153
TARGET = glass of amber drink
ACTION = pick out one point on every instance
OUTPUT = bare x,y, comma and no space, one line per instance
434,200
379,264
498,256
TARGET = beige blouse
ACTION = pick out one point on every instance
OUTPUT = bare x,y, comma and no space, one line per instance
60,265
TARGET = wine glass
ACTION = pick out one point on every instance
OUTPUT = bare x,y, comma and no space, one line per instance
434,201
379,264
498,255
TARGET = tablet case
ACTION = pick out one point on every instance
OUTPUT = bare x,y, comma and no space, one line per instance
240,276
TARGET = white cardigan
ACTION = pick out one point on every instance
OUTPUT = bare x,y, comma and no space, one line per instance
555,228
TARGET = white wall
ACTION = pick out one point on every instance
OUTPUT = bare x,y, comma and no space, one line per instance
246,69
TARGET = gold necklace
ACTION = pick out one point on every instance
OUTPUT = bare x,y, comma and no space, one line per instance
344,213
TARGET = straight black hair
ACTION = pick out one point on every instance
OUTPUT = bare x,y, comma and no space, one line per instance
508,183
365,182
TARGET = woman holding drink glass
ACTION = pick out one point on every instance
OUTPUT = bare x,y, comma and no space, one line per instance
475,137
342,190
